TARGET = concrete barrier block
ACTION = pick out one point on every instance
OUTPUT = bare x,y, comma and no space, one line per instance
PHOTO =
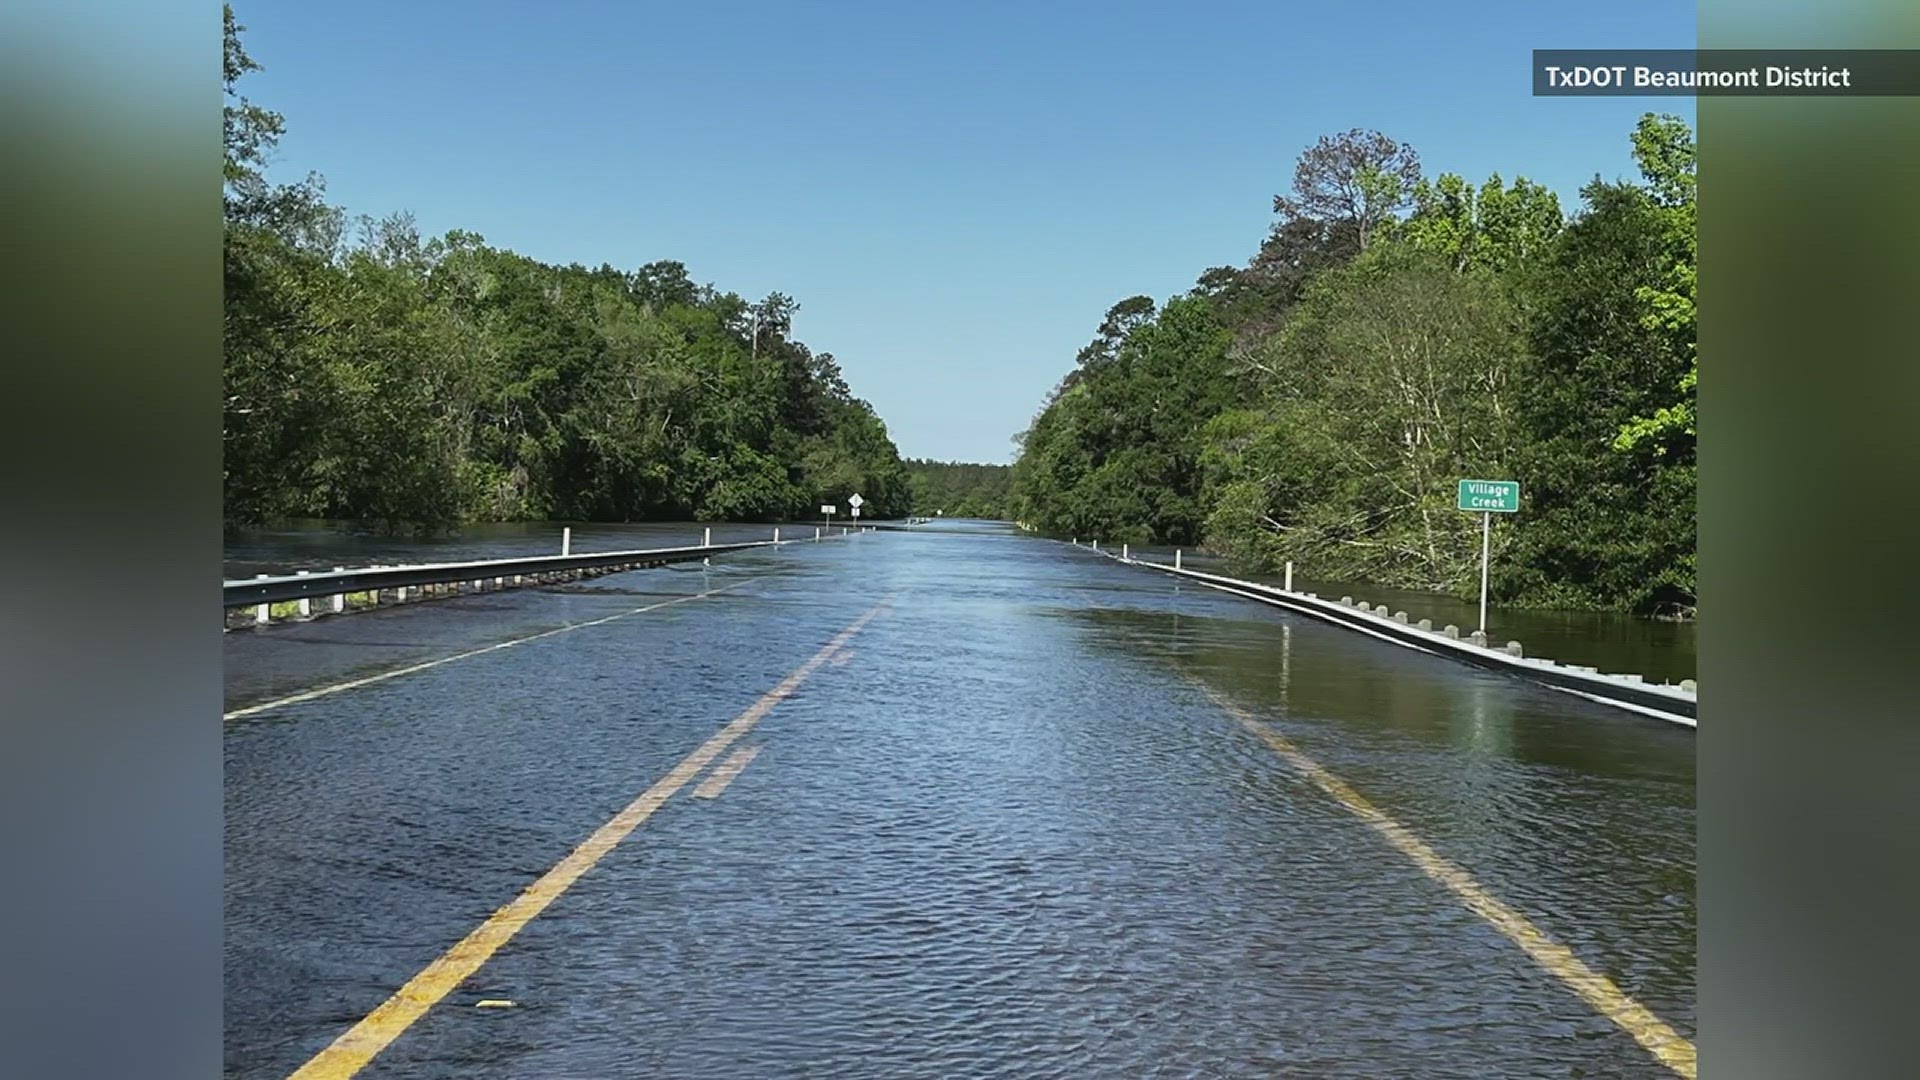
1513,649
1478,637
1452,631
1399,616
1425,624
1690,686
1347,600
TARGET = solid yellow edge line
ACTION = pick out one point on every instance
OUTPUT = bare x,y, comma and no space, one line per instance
1668,1046
358,1046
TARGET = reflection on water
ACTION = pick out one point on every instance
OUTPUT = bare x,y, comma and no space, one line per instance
1612,641
1012,835
1584,811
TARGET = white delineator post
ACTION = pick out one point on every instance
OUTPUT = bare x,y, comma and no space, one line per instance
263,612
1486,552
816,534
776,534
1289,585
339,599
1176,558
566,540
706,540
1124,553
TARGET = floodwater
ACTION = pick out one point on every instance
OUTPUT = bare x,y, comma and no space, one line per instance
1009,825
1613,641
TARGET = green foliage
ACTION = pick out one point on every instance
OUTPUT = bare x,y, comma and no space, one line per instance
1665,151
1392,379
1117,452
1320,404
959,489
1496,228
419,383
1606,525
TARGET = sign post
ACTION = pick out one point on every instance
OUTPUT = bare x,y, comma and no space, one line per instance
856,502
1487,498
826,515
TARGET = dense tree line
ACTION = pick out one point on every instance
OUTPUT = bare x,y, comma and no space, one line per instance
958,489
421,382
1393,335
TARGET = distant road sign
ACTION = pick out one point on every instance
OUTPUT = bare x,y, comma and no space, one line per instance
856,502
1490,496
828,509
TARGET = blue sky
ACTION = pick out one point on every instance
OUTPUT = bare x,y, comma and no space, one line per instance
954,193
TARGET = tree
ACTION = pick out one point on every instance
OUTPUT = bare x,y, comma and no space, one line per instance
957,489
1371,359
1604,526
1392,380
1361,178
248,130
1116,453
1495,227
1664,148
416,383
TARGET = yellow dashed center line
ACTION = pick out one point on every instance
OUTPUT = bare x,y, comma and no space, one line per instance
723,773
1671,1048
309,695
351,1052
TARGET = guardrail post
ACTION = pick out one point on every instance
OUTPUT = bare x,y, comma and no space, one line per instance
1289,585
339,599
566,540
306,606
264,612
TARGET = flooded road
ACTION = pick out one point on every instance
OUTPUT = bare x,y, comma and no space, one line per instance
936,805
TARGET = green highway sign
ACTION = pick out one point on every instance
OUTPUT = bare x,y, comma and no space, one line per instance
1490,496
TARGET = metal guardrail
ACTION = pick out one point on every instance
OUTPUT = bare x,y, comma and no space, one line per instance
285,587
1628,692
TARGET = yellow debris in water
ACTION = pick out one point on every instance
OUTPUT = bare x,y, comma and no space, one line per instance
493,1003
